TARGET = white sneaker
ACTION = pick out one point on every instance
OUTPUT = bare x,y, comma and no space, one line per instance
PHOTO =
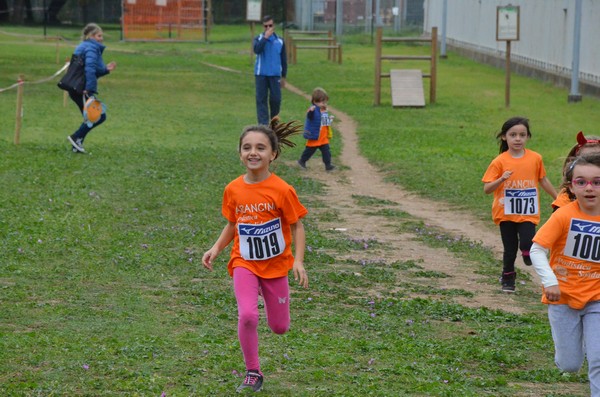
77,144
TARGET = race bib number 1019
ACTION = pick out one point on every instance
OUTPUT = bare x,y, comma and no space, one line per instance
261,241
520,202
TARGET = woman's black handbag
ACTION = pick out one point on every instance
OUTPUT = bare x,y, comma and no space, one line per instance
74,79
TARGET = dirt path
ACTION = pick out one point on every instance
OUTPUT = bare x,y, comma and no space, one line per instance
357,177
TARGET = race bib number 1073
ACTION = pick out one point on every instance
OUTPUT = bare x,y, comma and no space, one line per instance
261,241
520,202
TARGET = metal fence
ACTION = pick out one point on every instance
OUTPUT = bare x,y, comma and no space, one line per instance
358,16
340,16
545,48
69,12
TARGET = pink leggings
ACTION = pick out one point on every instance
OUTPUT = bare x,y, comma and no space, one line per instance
276,295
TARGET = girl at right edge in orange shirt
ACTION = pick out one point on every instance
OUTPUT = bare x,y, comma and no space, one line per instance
513,177
571,279
585,145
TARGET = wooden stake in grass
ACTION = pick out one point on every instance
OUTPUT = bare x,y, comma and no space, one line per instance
19,116
65,93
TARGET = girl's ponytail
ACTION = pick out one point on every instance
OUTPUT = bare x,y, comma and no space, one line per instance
285,130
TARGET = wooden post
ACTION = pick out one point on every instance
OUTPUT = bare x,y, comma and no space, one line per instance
294,54
330,51
179,29
377,99
210,15
507,84
433,79
19,118
65,93
288,47
251,43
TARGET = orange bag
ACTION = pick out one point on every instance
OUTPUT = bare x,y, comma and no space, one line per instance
93,110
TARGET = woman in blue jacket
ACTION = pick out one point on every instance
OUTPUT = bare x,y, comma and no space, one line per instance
91,49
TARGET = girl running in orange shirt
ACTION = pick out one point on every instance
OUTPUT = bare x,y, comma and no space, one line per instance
571,279
513,177
263,220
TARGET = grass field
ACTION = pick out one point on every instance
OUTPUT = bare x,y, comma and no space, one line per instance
101,288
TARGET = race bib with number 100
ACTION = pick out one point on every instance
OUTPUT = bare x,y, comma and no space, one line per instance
520,202
263,241
583,240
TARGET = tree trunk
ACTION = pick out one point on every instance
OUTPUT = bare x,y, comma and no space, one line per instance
3,11
19,12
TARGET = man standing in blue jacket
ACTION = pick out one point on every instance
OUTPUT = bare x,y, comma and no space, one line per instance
270,70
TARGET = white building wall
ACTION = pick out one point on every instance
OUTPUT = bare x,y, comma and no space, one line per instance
546,32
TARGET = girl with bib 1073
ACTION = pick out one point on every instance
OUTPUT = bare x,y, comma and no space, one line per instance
571,278
513,177
263,217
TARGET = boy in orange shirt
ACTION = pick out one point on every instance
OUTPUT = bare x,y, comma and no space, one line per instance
317,128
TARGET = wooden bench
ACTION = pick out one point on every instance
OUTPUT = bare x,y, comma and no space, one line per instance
313,42
290,34
334,51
